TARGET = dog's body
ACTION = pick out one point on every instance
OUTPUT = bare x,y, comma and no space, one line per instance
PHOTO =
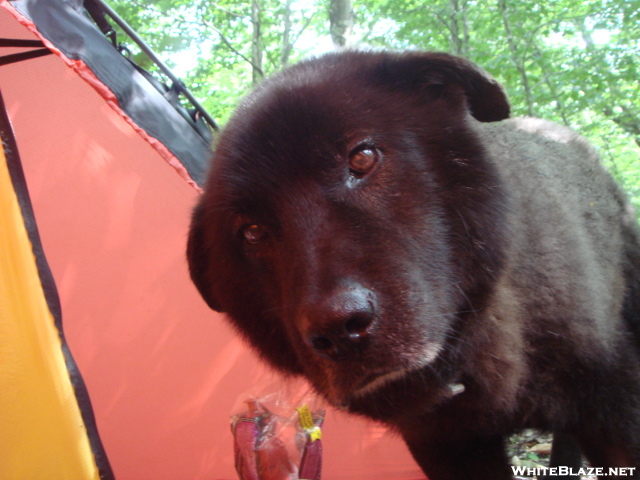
459,280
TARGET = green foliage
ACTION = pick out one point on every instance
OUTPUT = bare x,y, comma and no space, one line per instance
219,34
573,62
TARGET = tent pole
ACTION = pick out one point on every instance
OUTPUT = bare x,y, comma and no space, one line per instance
151,54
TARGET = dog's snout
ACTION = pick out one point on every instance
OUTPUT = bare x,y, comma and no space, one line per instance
340,325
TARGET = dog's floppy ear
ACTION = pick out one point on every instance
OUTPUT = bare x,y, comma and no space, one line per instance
198,257
486,99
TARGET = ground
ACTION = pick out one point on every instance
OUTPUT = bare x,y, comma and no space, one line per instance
532,449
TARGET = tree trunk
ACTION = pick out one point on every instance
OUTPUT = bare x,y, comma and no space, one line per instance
459,28
546,68
466,38
256,43
287,45
515,57
340,22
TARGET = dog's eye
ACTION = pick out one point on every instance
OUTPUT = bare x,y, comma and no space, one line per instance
254,234
363,160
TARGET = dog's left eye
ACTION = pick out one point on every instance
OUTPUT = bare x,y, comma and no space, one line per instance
363,160
254,234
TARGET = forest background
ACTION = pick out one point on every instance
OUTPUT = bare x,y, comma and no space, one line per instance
574,62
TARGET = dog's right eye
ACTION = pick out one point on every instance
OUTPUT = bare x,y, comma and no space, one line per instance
254,234
362,160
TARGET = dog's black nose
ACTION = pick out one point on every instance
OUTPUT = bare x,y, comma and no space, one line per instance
340,325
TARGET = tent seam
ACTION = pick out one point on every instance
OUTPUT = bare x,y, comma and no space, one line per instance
83,70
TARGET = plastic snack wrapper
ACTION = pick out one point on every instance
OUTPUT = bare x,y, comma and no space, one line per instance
274,439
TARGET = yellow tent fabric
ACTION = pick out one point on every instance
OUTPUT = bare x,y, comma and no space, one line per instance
42,433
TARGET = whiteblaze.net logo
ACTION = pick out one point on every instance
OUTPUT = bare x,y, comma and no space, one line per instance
564,471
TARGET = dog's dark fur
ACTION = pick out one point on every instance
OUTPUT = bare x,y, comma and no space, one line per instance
471,251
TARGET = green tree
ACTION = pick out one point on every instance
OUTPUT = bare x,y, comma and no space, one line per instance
236,43
573,62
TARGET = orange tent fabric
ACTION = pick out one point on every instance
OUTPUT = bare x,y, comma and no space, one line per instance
112,205
44,434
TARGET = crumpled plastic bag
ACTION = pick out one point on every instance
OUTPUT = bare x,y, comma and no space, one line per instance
275,440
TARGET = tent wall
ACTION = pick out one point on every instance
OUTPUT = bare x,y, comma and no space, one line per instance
41,394
63,25
162,370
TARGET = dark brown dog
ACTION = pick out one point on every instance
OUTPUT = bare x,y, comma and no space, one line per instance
373,223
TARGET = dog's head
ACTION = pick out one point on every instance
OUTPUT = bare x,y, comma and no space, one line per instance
350,218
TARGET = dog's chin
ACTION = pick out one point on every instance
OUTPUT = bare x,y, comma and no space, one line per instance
388,392
375,382
343,390
344,394
400,393
342,385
